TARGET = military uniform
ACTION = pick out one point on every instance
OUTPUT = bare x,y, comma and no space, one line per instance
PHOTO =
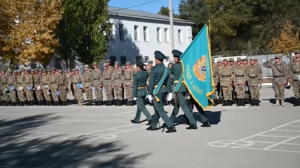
294,77
11,83
44,82
139,91
4,97
279,78
77,79
239,82
98,84
107,84
232,66
180,93
88,82
117,80
226,78
156,75
128,80
247,93
69,80
254,78
28,86
62,87
38,89
53,87
216,81
20,89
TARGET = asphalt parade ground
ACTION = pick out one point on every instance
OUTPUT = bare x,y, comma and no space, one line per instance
100,137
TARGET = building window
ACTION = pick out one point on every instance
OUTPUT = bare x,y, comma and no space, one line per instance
146,37
146,59
121,32
112,33
138,58
166,32
179,36
136,33
112,60
159,35
123,60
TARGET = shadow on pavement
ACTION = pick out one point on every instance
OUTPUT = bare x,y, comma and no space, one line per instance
19,151
214,118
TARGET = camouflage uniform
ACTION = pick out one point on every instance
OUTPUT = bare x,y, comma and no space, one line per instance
62,87
37,87
107,84
88,82
98,83
44,82
226,78
53,86
128,80
239,82
4,97
254,77
20,89
279,78
69,80
216,81
232,67
293,75
117,77
77,78
11,83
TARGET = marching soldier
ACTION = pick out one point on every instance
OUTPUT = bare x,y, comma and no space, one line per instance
4,98
180,92
117,80
37,87
20,89
11,82
88,82
98,84
279,78
28,86
44,82
128,80
62,87
254,81
159,87
226,78
294,76
53,87
107,83
139,92
240,82
77,84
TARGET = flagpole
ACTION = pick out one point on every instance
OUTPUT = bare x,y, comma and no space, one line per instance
171,25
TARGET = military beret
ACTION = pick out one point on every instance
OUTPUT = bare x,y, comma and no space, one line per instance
231,59
150,62
255,59
2,69
219,61
86,66
57,70
277,57
225,59
117,63
127,63
159,55
176,53
95,64
73,69
140,64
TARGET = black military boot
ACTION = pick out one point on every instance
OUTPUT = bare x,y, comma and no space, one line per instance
127,103
90,103
206,124
22,103
13,103
238,102
224,103
257,102
171,130
215,102
151,128
243,102
252,103
100,103
297,103
192,126
229,103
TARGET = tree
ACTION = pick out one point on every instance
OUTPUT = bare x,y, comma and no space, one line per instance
288,41
30,35
83,31
165,11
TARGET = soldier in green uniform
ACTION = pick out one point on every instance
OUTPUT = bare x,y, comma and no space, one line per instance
139,92
159,87
180,91
37,87
88,82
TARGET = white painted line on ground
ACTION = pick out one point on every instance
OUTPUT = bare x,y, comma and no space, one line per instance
286,130
282,142
245,138
95,121
293,125
284,125
275,136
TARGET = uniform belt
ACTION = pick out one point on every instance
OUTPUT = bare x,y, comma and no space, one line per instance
176,81
161,86
226,76
277,76
141,87
239,75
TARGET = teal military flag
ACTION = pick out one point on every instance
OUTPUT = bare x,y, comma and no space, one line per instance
197,69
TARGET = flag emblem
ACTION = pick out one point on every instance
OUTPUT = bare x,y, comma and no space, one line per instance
200,68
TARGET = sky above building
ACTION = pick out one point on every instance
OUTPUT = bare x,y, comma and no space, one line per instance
152,6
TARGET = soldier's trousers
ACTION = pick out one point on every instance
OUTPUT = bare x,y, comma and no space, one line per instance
5,97
108,92
182,103
69,83
159,111
21,96
215,92
98,93
128,92
296,88
74,86
63,94
88,93
141,108
203,116
118,92
46,95
254,92
13,96
79,96
240,91
278,89
227,92
29,95
54,95
39,95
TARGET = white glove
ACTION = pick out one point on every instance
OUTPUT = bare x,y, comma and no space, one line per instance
134,98
150,98
170,96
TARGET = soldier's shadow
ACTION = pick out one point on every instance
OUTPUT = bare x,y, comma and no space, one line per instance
214,118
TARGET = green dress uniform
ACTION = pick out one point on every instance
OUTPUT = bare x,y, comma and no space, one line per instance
180,94
139,91
155,82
